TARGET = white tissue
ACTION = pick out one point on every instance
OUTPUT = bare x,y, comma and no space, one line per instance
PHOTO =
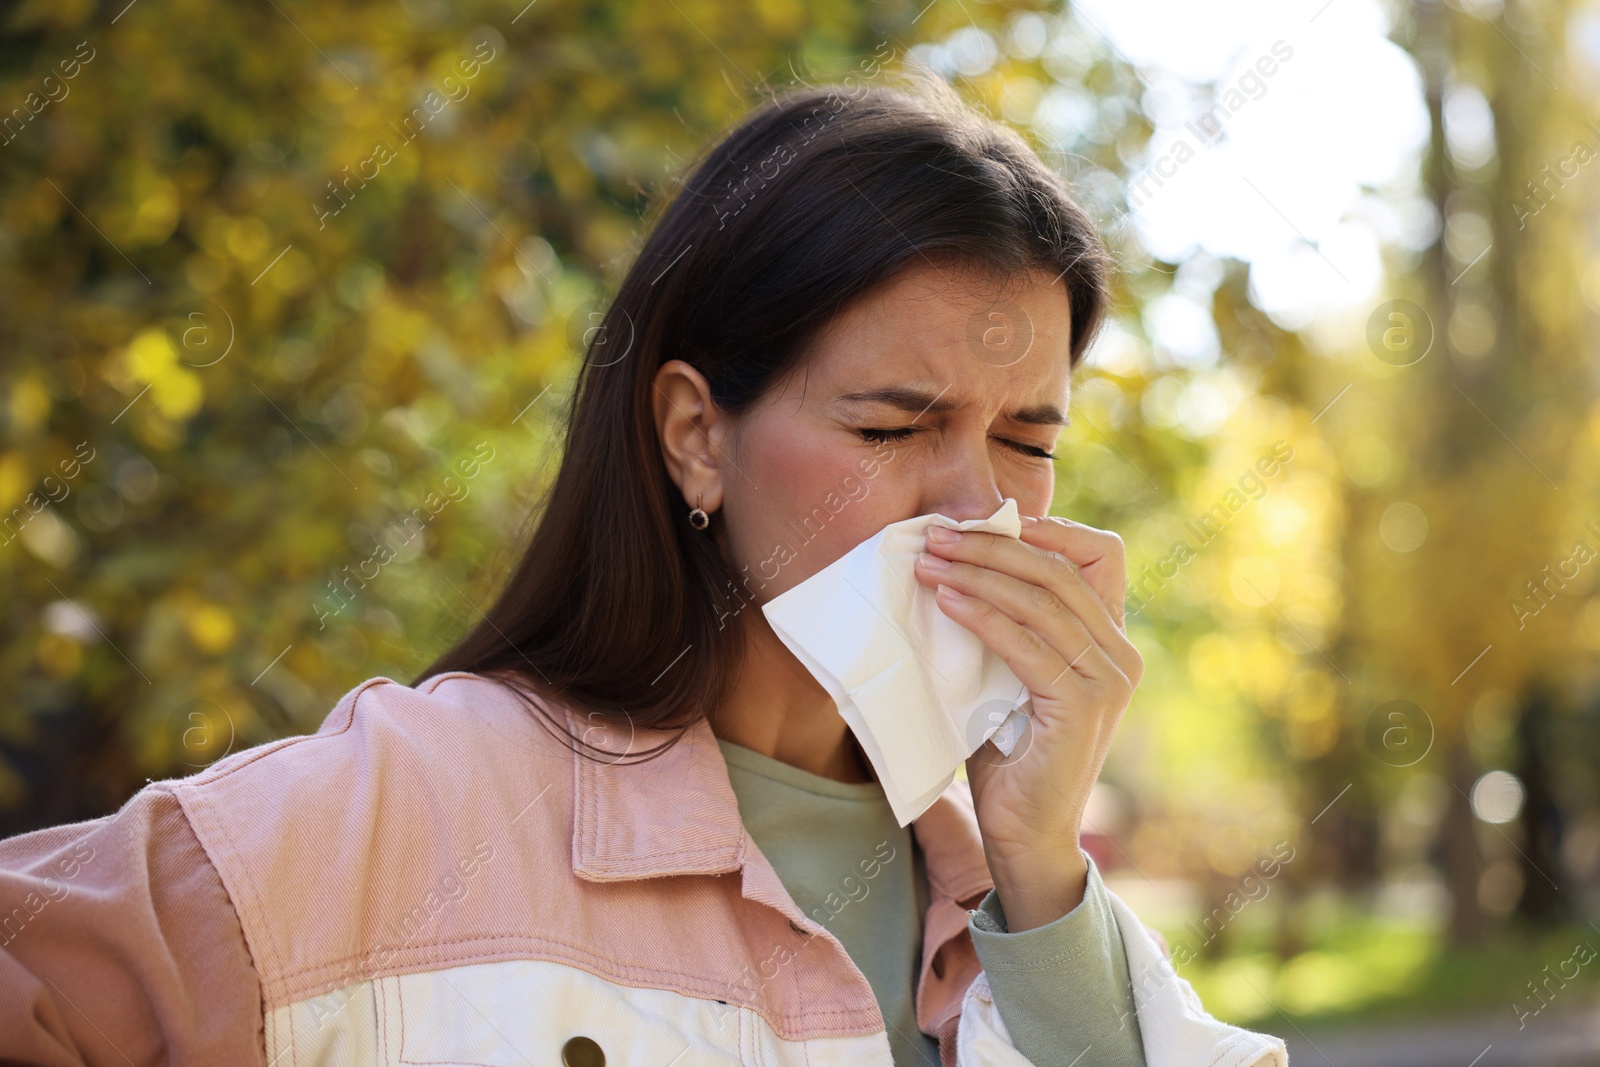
920,691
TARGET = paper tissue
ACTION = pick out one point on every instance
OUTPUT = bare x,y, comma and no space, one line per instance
920,691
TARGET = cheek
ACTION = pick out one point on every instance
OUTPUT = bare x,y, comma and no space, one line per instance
813,504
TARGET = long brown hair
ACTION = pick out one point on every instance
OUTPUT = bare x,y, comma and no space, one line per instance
815,198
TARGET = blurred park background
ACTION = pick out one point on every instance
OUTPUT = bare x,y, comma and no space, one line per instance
291,296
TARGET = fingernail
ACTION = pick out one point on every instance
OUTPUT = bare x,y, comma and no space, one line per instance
932,562
939,535
950,594
1029,520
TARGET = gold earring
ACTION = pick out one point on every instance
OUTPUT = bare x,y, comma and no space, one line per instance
697,516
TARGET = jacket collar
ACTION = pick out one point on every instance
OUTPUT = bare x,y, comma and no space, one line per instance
676,814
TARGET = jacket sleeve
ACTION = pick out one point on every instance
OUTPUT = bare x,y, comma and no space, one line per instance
1175,1030
1062,988
119,945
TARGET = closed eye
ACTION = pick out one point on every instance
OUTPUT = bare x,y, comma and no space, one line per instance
878,437
881,436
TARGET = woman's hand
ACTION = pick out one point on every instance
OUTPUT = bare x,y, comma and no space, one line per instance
1051,606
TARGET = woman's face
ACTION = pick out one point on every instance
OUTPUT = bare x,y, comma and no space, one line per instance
943,391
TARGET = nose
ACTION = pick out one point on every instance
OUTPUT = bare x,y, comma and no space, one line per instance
966,493
963,512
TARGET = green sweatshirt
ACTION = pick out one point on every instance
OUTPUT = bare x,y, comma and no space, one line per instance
1062,989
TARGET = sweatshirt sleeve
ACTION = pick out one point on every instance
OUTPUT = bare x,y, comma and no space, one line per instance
1063,989
119,944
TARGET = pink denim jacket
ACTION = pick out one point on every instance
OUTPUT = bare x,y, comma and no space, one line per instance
434,878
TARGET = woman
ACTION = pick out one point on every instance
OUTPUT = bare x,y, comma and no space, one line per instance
619,822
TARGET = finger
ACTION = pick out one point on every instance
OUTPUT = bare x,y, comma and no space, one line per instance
1098,554
1037,665
1038,566
1031,602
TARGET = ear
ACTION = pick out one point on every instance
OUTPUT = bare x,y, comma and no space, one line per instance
692,432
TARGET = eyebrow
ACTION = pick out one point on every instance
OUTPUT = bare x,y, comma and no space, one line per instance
919,401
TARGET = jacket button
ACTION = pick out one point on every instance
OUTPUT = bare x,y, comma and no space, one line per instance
582,1052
